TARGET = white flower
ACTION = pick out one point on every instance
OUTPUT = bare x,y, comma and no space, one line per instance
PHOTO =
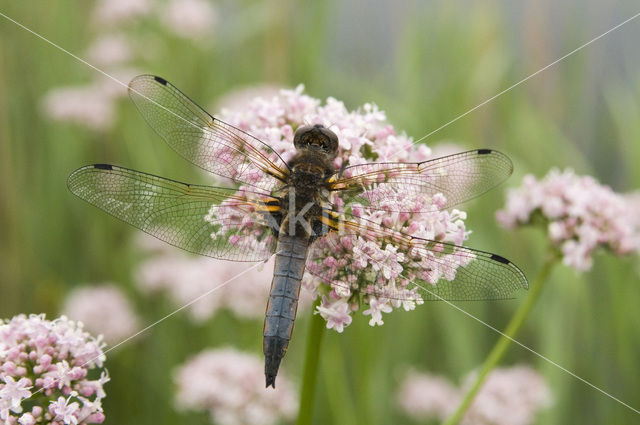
15,391
65,411
376,308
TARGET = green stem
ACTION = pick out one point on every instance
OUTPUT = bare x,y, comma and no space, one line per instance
339,400
310,373
500,348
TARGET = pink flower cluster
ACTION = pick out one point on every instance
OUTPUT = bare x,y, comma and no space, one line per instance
46,364
580,215
116,50
381,272
228,383
510,396
104,310
117,12
191,19
184,277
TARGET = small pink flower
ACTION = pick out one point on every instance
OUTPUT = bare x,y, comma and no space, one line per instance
14,391
376,308
61,409
330,261
27,419
336,313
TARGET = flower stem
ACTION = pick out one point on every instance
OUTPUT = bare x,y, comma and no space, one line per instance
500,347
310,373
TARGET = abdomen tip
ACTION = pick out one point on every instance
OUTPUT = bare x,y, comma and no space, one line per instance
271,381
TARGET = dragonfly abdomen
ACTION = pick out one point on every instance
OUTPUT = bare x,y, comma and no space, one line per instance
291,255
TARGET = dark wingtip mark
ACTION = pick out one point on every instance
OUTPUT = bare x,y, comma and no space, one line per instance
484,151
271,381
499,259
160,80
103,166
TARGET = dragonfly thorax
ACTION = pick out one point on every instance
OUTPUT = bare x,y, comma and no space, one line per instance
310,169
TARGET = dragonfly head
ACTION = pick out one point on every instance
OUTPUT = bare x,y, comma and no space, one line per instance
316,138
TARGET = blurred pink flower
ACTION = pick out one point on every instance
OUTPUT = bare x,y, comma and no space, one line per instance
195,19
50,360
510,396
228,383
362,266
113,89
110,50
114,12
185,277
103,309
633,202
90,106
580,214
116,49
422,396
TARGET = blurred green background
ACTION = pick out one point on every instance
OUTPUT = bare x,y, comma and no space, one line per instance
422,62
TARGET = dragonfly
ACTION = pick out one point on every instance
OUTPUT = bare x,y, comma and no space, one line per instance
288,209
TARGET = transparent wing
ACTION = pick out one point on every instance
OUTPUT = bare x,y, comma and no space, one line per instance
204,140
434,270
458,177
217,222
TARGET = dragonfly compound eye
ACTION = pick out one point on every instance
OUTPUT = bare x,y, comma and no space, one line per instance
316,137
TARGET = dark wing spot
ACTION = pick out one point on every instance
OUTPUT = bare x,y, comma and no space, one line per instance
160,80
484,151
499,259
103,166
